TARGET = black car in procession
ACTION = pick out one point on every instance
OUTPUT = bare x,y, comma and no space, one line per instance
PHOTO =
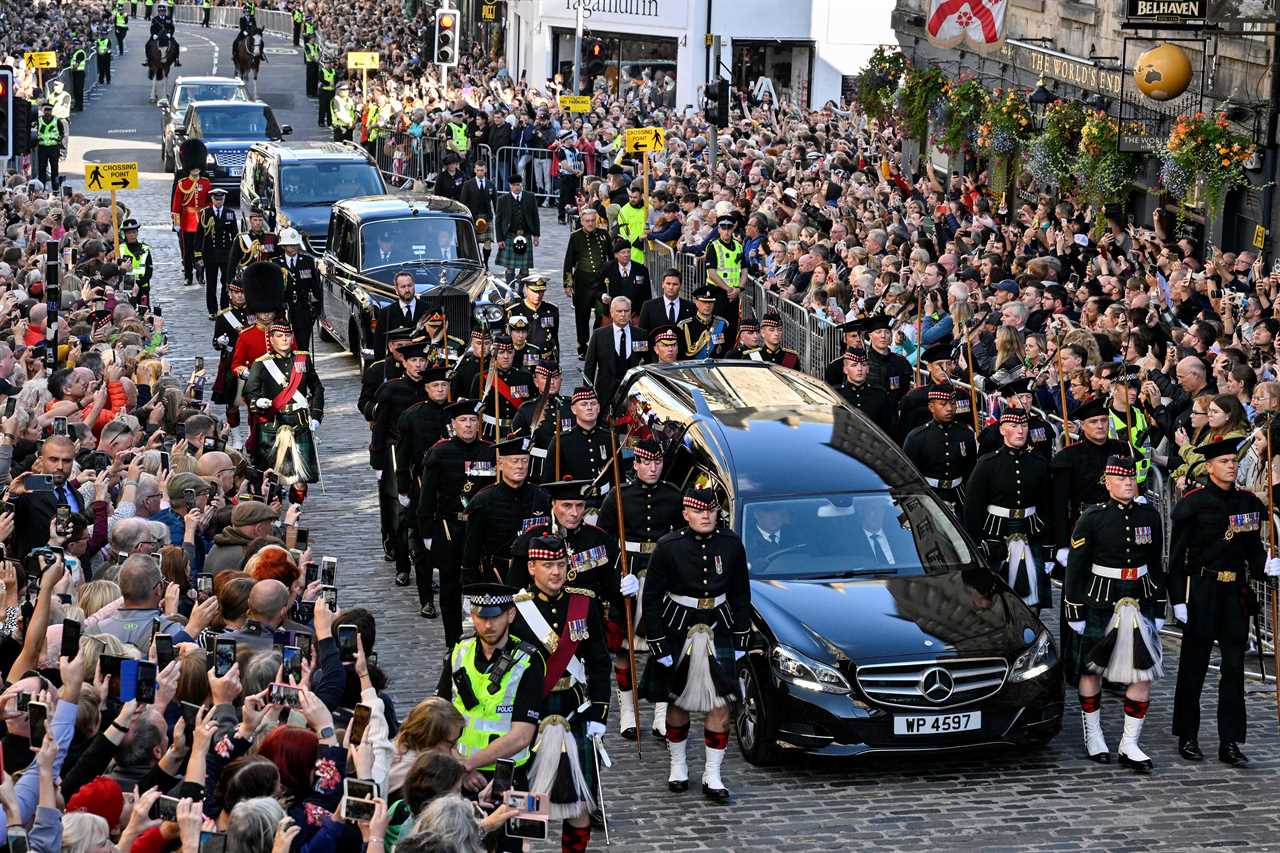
371,238
228,128
911,644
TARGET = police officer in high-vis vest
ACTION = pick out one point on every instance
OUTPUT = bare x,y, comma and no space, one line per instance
48,146
122,28
297,25
328,85
311,55
102,46
724,266
458,140
77,62
1128,422
207,8
496,682
135,258
632,222
342,115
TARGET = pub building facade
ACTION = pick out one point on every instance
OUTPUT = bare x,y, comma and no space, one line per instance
807,49
1083,50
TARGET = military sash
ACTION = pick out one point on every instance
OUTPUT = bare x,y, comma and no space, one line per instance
562,648
297,370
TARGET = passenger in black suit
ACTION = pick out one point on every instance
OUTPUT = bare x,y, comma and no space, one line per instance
667,309
765,533
406,312
34,510
478,195
878,538
625,277
608,358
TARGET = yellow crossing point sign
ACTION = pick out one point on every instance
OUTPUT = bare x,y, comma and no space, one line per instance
362,61
575,103
110,176
41,59
642,140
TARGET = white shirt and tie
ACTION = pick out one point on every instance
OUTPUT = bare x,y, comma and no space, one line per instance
672,308
622,342
406,308
879,546
773,538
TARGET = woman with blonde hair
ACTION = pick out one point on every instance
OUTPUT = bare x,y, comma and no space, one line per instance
1009,349
96,595
433,725
85,832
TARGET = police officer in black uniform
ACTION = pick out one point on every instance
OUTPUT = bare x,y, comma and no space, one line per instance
389,403
943,449
1005,501
697,581
651,508
544,417
215,239
913,410
859,392
586,447
525,355
1016,393
504,392
1216,549
1115,582
471,364
543,317
889,370
455,471
418,428
497,515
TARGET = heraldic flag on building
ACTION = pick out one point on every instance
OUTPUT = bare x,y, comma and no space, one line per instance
977,24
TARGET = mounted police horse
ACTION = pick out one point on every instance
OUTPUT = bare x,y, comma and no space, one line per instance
162,52
248,54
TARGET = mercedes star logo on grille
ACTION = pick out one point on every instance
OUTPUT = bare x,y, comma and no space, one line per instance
936,684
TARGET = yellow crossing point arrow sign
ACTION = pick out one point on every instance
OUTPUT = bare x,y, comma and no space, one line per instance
640,140
362,61
41,59
575,103
110,176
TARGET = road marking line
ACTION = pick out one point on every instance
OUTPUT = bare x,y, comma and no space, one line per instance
123,130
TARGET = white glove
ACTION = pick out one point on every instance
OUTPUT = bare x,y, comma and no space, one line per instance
1061,557
629,585
404,499
1140,499
262,403
595,729
738,655
1078,627
1180,613
665,660
426,543
1159,625
1273,567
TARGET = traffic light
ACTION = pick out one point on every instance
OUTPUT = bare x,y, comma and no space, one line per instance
6,120
22,119
718,103
594,51
446,41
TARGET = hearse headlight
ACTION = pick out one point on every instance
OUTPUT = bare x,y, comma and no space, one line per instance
488,314
1038,659
801,671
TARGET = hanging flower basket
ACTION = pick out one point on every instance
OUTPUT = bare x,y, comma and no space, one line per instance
879,81
1101,171
1204,160
922,90
966,105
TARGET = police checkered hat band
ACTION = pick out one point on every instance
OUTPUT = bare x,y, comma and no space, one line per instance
1120,466
582,394
547,548
942,391
1014,416
857,356
648,450
491,597
700,499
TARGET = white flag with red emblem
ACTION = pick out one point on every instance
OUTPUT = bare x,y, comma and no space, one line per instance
978,24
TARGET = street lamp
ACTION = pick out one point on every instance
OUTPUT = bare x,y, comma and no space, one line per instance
1040,98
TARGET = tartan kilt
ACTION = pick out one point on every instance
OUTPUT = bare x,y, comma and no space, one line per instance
1097,614
508,259
663,684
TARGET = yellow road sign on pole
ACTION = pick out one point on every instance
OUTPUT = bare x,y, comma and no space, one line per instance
41,59
110,176
575,103
363,61
640,140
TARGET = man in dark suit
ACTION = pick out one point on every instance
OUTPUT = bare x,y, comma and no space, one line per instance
878,538
613,350
449,182
517,216
766,533
667,309
406,312
625,277
34,509
478,195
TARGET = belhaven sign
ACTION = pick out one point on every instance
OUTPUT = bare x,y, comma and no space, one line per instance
1186,10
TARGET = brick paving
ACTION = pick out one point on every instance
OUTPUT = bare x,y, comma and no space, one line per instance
1047,799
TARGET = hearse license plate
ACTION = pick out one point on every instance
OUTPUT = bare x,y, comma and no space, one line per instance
937,724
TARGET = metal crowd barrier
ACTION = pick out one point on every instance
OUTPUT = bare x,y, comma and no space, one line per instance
533,164
658,257
404,156
274,22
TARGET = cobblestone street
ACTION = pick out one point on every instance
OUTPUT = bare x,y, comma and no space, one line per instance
1050,799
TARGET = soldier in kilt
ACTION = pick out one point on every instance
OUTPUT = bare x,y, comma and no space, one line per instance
1114,597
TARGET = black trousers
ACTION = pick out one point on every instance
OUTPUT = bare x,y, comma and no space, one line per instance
341,134
326,99
297,33
215,284
77,90
1214,612
313,78
147,15
568,194
411,554
584,310
302,320
47,165
187,240
121,32
104,68
446,552
204,22
388,507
